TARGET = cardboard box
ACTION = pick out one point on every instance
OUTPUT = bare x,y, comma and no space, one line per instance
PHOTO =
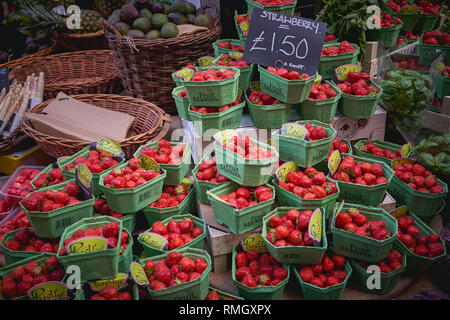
31,156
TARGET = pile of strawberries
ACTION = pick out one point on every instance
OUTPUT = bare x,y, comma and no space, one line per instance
428,7
26,240
418,178
391,263
309,184
213,295
174,270
232,47
111,293
226,60
254,269
243,197
23,278
370,147
273,2
315,132
344,47
436,38
429,246
212,75
329,37
290,229
410,64
129,177
165,152
177,233
446,71
245,148
241,19
21,186
101,207
358,84
410,35
366,174
396,5
262,99
4,206
172,196
355,222
51,200
338,144
207,171
205,110
51,178
400,40
322,92
20,220
96,161
388,22
288,75
329,272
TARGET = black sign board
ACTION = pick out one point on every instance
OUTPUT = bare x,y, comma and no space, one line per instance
4,80
284,41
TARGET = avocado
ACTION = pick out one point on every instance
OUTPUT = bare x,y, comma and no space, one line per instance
177,18
145,13
142,24
178,7
153,34
114,18
158,20
169,30
122,27
157,7
136,34
129,13
204,20
190,8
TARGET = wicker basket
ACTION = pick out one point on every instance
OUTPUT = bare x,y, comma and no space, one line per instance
83,41
80,72
146,66
151,123
16,138
29,58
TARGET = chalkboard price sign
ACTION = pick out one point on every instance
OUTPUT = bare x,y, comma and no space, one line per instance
284,41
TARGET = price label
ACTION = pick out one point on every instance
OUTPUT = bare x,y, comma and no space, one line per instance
409,9
244,26
138,274
51,290
148,163
283,170
185,74
334,161
406,148
254,242
399,212
110,147
205,61
341,205
119,282
342,71
395,162
294,130
235,54
83,178
225,135
154,240
318,79
315,226
284,41
86,245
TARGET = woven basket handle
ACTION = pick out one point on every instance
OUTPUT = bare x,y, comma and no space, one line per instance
108,26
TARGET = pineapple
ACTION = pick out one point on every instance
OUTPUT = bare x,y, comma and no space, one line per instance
106,7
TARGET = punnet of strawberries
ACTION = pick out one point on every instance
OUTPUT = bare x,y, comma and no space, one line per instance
363,173
370,147
329,272
418,178
273,2
396,5
205,110
344,47
111,293
290,229
26,240
214,295
174,270
436,38
230,46
213,75
226,60
255,269
96,161
428,7
392,262
165,152
54,176
322,92
246,148
262,99
207,171
102,208
24,277
21,186
245,197
358,84
410,35
241,19
288,75
173,196
429,246
308,184
20,220
387,21
352,220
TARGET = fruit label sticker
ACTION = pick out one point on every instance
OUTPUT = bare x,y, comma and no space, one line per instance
225,135
334,161
138,273
406,148
409,9
315,227
339,209
395,162
119,282
294,130
318,79
399,212
148,163
83,178
154,240
205,61
254,242
342,71
185,74
283,170
51,290
86,245
235,54
109,146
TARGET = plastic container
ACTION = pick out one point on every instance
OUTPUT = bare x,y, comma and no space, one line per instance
363,248
45,170
386,37
213,93
181,103
289,199
243,171
323,165
224,295
86,292
176,79
127,256
11,200
370,196
415,264
320,110
156,214
195,243
287,91
246,73
388,281
358,107
285,8
380,144
443,86
294,254
409,20
132,200
219,51
97,265
328,64
192,290
212,122
426,23
238,221
271,116
258,293
242,37
428,53
53,223
175,173
305,153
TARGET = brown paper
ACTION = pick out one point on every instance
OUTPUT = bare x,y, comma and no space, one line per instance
185,29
